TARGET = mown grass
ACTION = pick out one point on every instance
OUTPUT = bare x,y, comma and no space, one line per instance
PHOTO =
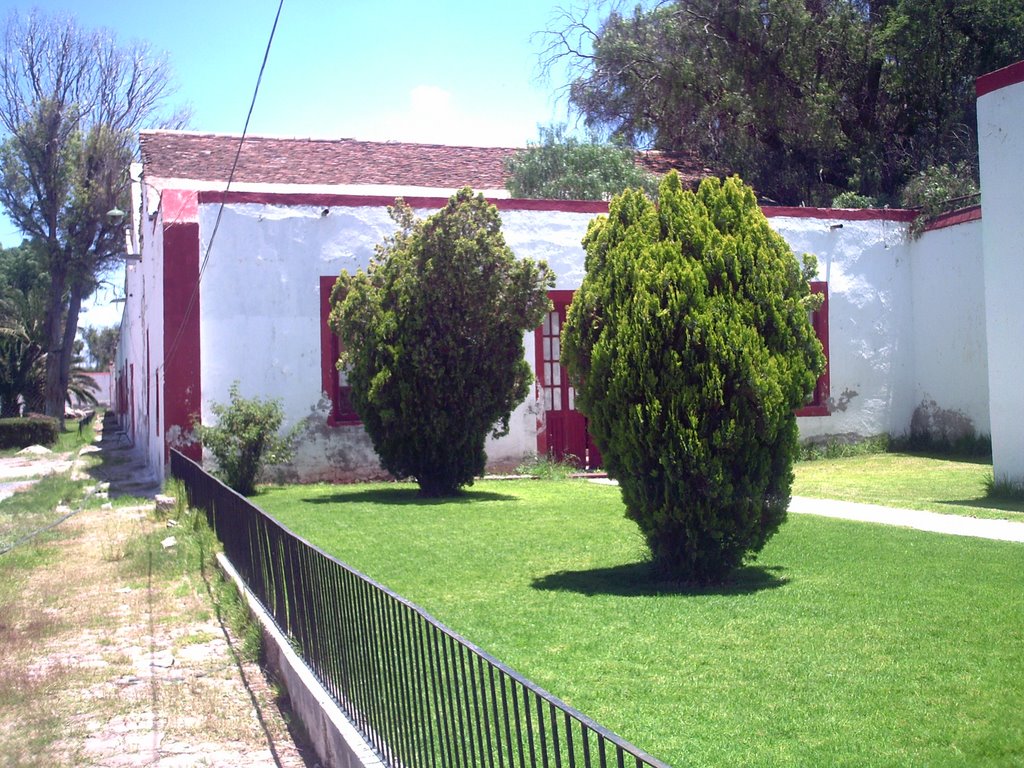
949,485
845,644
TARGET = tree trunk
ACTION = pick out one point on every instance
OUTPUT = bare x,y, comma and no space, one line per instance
54,333
70,331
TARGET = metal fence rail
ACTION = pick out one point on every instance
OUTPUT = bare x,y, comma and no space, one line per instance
423,696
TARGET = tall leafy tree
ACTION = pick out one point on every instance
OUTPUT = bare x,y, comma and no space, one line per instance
22,357
71,101
433,338
560,167
804,98
690,347
102,345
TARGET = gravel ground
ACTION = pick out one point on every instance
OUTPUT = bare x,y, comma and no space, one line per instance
108,661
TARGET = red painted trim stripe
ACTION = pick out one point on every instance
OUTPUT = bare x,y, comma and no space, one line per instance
182,363
1001,78
953,218
841,214
333,200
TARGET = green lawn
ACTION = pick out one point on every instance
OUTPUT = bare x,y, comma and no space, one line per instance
955,486
846,644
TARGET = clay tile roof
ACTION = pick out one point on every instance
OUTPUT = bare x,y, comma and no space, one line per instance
690,167
208,157
264,160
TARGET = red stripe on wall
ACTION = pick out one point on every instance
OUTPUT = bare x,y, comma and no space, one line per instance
182,379
1001,78
333,200
952,218
840,214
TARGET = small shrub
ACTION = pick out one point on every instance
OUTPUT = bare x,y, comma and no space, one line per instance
245,438
838,448
547,469
967,445
1004,489
936,190
30,430
854,200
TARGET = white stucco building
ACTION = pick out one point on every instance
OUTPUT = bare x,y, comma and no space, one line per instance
233,285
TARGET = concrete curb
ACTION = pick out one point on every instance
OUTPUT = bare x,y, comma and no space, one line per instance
336,741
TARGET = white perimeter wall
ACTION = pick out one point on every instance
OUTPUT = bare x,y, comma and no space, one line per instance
260,321
1001,145
905,321
950,379
866,265
140,351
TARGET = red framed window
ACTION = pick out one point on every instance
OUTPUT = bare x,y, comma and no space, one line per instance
818,405
333,380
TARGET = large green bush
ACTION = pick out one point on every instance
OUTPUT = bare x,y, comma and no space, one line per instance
245,437
31,430
433,340
690,346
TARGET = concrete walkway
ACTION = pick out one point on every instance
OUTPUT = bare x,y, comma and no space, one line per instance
956,525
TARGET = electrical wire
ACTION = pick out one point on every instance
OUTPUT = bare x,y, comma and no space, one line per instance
168,354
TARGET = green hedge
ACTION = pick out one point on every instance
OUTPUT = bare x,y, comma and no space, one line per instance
32,430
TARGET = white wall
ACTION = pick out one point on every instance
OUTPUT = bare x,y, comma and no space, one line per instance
866,266
903,315
950,374
141,334
261,321
1001,147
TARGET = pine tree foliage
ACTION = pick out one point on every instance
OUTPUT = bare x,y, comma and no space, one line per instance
690,346
433,339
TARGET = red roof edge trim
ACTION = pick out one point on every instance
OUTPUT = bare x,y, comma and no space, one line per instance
329,200
1001,78
841,214
952,218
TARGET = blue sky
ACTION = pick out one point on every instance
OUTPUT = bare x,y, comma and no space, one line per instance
451,72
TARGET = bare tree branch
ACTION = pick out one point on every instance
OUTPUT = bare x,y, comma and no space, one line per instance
72,101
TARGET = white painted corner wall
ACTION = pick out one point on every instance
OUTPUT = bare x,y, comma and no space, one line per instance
1001,151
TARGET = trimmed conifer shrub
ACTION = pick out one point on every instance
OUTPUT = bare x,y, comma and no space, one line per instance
433,340
690,346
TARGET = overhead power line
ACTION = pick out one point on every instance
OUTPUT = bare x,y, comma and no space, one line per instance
168,354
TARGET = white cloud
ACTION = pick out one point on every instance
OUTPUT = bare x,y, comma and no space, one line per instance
433,115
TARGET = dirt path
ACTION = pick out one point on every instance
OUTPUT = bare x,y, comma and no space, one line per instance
113,653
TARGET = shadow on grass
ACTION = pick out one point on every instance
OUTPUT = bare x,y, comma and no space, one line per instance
406,497
640,579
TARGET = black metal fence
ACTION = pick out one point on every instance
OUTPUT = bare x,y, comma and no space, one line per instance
420,694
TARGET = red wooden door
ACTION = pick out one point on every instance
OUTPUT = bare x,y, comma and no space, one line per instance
563,435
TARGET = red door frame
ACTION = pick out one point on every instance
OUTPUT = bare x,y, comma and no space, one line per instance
562,431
